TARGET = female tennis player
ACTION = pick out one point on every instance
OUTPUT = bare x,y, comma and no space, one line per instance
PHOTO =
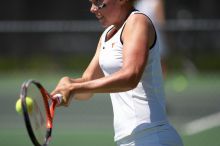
126,65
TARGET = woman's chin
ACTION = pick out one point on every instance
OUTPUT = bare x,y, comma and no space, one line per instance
104,24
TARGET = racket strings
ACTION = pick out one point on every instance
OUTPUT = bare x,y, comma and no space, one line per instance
38,115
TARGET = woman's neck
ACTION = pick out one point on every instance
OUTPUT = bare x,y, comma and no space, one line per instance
124,17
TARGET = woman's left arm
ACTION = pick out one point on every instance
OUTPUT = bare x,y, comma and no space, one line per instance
137,36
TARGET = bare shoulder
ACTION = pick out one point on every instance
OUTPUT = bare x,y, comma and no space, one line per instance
139,19
139,27
139,22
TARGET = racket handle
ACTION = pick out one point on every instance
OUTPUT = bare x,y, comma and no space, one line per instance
58,98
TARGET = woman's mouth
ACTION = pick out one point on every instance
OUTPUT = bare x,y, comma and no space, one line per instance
99,16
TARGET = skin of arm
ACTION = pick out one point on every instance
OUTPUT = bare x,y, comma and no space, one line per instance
135,54
93,71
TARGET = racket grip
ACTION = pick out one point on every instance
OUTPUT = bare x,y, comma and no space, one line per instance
58,98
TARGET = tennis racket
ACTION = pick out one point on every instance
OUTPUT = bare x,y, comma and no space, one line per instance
38,121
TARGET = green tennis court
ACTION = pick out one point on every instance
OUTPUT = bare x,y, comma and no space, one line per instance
90,122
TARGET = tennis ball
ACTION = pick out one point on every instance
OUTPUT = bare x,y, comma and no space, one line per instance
29,103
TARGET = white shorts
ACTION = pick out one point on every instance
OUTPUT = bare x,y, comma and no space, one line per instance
164,135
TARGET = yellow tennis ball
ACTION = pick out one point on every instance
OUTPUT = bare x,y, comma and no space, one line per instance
29,103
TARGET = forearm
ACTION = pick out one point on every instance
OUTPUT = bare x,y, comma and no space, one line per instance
117,82
81,96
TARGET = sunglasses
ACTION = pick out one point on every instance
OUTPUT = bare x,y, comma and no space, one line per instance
99,4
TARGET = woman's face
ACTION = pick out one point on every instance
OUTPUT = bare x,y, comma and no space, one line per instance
105,11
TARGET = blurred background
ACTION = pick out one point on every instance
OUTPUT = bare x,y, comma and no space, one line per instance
46,40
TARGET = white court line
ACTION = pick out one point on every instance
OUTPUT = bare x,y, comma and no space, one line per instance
202,124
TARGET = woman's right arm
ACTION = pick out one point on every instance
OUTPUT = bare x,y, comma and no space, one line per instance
93,71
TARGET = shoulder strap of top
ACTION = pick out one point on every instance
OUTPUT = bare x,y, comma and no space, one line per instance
105,33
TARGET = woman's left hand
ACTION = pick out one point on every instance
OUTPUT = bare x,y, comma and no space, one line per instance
64,87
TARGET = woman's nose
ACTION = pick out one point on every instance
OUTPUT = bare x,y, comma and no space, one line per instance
93,8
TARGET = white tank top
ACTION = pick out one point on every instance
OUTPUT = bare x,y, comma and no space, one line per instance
142,107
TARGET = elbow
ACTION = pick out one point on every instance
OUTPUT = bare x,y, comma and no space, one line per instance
133,84
132,81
